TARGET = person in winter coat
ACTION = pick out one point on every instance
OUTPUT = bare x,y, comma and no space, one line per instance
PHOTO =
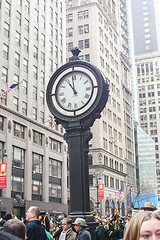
35,230
81,229
67,233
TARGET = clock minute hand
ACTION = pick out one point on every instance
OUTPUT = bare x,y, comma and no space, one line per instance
74,91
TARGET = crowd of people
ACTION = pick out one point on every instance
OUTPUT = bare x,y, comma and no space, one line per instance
144,225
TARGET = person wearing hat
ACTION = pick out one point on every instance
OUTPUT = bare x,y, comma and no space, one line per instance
148,206
81,229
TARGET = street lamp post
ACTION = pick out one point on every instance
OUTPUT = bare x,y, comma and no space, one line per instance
97,177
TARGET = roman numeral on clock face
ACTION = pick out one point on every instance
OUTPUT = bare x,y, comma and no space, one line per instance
63,100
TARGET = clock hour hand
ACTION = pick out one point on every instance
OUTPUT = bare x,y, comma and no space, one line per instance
74,91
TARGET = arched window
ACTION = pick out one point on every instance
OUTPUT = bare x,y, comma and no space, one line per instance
112,207
118,207
123,209
107,207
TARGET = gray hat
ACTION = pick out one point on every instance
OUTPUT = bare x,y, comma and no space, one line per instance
80,222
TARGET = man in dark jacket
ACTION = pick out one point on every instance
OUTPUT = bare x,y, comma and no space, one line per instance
35,231
81,229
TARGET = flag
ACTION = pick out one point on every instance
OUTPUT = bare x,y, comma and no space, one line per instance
53,124
118,193
8,90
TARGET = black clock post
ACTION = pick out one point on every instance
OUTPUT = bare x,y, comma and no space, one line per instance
77,122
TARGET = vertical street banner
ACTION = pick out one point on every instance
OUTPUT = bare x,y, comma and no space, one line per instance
100,191
3,174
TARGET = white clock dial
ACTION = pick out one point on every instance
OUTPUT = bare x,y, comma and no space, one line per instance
74,91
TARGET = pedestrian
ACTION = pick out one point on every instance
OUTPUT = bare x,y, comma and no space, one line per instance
81,229
149,206
143,225
67,233
101,231
7,236
35,230
16,228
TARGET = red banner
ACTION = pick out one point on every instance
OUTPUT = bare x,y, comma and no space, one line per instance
3,173
100,191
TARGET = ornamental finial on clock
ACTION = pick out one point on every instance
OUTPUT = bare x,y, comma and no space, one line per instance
75,51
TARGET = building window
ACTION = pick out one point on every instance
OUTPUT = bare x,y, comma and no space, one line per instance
51,65
15,103
25,89
8,8
36,190
42,40
51,29
87,57
18,18
34,113
54,192
35,72
86,43
42,58
42,97
41,117
24,108
4,74
37,138
36,34
70,17
51,13
55,145
5,51
18,38
51,47
35,93
17,59
6,29
27,6
80,29
80,44
70,32
18,157
1,123
16,80
42,77
70,46
36,163
26,25
26,45
17,186
25,65
35,52
43,22
18,130
55,168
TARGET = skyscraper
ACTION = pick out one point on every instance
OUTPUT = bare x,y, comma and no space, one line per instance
93,27
32,43
147,56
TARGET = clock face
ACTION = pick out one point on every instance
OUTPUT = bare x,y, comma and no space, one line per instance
74,91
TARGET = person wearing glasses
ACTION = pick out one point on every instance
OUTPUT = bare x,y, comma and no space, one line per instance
67,233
